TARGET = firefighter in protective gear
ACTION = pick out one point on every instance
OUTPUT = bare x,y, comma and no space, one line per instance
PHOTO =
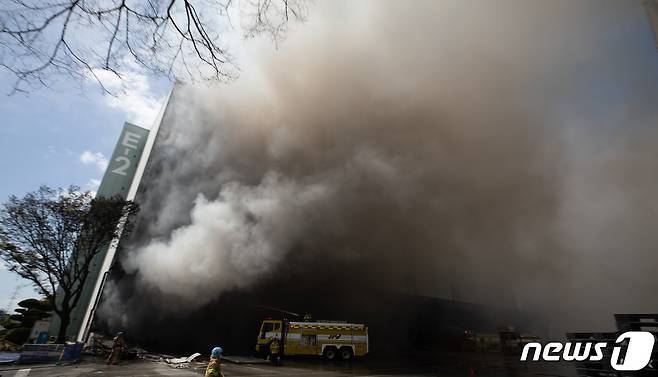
275,357
214,368
117,347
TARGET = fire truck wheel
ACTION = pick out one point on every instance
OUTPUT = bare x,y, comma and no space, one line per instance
346,353
330,353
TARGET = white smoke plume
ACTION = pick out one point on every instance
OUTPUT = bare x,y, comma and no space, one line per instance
493,152
231,241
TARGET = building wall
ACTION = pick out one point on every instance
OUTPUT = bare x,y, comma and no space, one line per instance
116,181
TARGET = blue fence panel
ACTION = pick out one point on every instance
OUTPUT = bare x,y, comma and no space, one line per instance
41,353
72,352
9,357
50,353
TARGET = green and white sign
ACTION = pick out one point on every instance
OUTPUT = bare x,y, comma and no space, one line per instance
117,181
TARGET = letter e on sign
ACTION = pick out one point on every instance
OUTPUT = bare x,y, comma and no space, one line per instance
130,140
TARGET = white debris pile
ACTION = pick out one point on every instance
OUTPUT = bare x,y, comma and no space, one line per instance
182,362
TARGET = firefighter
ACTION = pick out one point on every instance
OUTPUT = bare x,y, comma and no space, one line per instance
275,358
117,347
214,368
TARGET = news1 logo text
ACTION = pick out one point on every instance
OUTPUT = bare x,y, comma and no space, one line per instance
637,344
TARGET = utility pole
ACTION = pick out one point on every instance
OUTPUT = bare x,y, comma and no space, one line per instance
652,10
11,300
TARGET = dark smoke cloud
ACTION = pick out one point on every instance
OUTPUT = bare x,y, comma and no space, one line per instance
499,153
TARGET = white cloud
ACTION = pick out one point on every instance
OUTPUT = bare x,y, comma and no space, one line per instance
132,95
93,183
96,158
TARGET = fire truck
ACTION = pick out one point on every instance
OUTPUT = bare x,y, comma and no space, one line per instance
330,339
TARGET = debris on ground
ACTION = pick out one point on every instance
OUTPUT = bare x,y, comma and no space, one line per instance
100,345
8,346
182,362
97,345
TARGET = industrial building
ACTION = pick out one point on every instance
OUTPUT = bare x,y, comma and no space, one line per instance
406,319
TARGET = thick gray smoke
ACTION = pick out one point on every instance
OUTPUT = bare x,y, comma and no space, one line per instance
232,240
492,152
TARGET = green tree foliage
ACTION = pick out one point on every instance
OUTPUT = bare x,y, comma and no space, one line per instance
50,238
32,310
18,335
4,322
20,324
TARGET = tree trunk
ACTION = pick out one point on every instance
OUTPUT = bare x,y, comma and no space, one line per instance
64,324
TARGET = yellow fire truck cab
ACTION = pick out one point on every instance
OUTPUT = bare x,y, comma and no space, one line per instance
333,340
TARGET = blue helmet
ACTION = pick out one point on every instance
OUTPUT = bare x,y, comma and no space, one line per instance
216,352
120,334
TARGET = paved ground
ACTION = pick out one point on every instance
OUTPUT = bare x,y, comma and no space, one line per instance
495,366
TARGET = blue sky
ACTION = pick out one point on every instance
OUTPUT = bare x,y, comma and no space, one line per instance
64,136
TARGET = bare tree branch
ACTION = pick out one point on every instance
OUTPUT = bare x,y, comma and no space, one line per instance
180,39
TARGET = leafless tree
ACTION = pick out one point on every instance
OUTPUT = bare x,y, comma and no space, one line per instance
40,40
51,239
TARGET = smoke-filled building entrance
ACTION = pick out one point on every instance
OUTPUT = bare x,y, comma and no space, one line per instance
383,173
352,264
